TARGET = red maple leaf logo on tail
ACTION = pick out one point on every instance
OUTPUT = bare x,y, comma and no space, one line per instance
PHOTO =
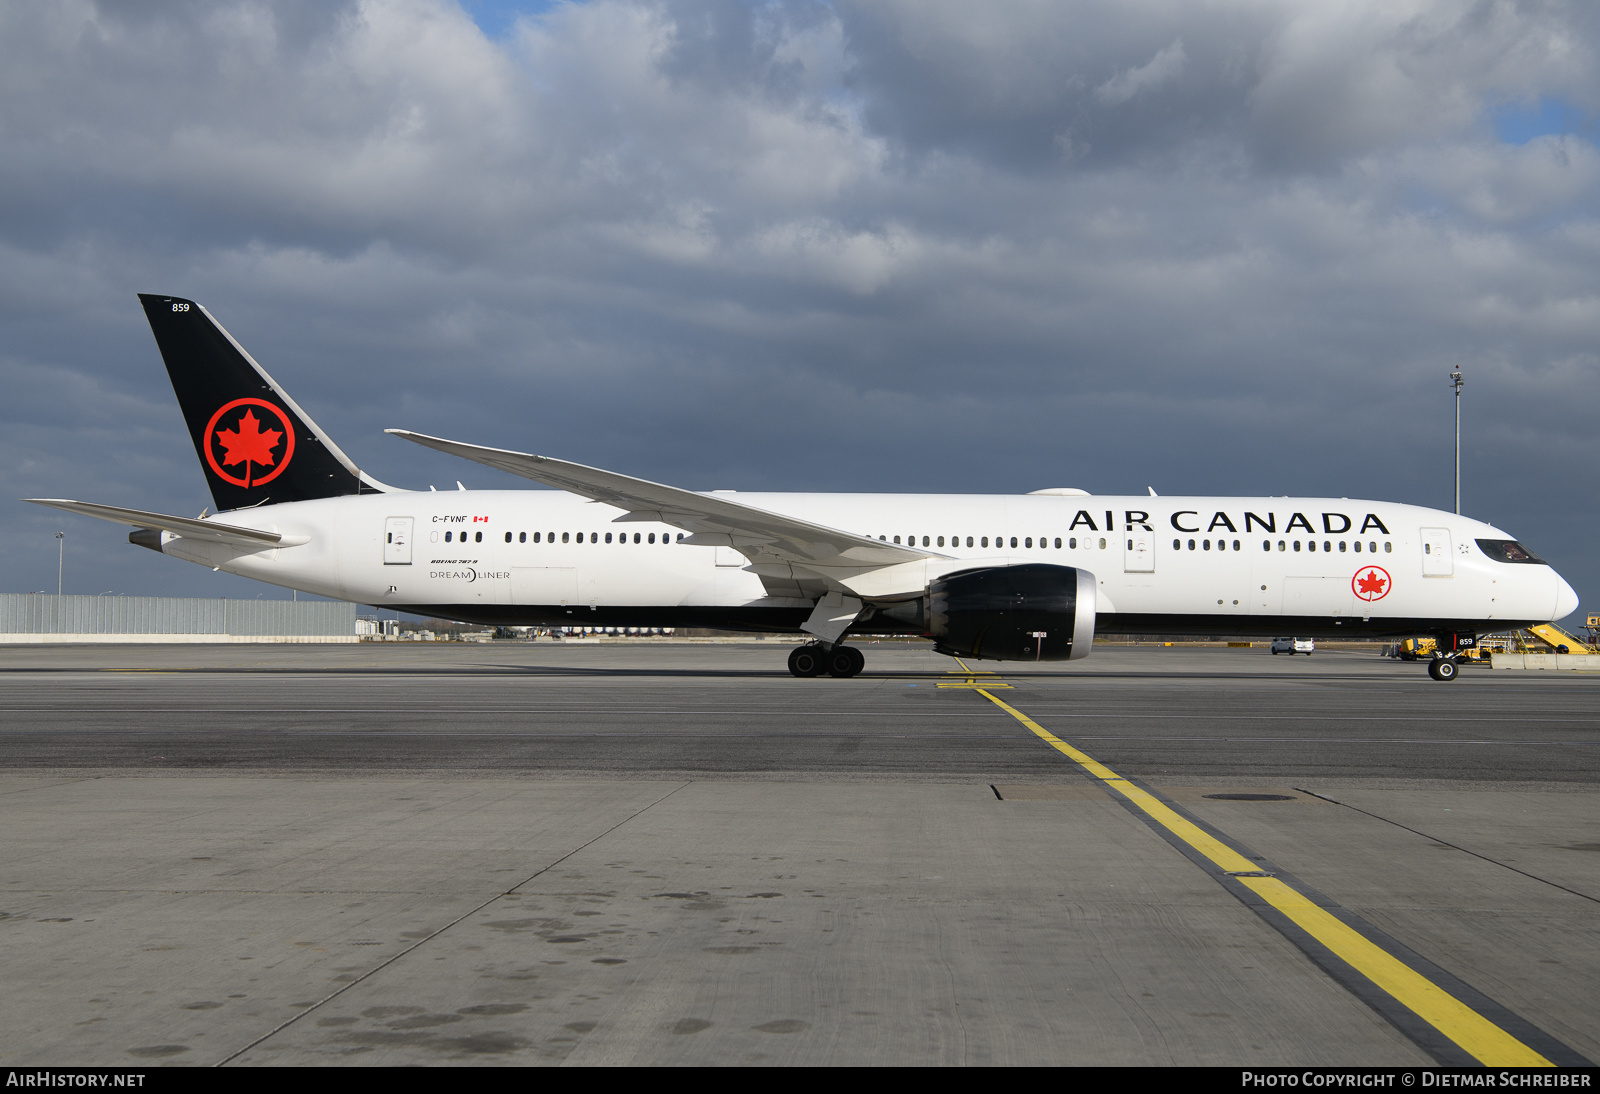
249,444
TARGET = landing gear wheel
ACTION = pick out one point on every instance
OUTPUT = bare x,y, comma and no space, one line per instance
844,661
1443,668
807,660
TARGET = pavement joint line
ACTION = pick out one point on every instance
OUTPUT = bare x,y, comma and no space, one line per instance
1336,933
51,782
239,892
119,708
1447,843
280,1027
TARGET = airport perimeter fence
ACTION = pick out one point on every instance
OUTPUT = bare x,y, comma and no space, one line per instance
45,613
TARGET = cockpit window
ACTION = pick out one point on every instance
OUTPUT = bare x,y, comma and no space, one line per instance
1509,550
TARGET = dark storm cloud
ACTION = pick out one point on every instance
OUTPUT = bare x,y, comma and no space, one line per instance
1221,248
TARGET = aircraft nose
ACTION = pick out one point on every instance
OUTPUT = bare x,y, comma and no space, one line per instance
1566,598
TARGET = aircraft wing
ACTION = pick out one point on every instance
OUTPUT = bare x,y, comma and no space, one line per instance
187,527
760,535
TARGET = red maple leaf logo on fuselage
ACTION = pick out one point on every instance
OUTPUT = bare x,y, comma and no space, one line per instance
1370,586
249,444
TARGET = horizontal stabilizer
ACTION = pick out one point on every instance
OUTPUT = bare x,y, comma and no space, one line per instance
187,527
760,535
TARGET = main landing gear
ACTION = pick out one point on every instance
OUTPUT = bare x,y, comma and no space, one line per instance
1443,668
813,659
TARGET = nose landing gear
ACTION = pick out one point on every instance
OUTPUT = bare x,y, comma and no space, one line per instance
1443,668
813,659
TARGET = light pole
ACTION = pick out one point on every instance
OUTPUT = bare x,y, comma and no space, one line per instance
1455,380
61,557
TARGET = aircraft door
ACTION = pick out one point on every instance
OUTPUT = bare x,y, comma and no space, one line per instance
1437,558
397,541
1139,551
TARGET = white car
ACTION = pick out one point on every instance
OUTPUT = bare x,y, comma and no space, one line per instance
1292,646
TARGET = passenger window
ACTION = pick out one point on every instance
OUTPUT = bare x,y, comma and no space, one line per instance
1280,545
522,537
652,538
594,537
1102,545
447,537
897,539
1177,545
941,541
1013,541
1341,546
1058,543
1296,545
1191,545
536,537
608,537
564,536
1388,548
1266,545
1235,545
1206,544
1028,542
1326,546
986,541
508,537
680,537
1311,545
925,542
1358,546
969,541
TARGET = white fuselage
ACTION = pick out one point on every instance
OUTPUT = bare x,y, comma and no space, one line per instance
1248,565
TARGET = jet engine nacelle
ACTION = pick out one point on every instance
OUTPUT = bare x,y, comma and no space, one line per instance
1033,612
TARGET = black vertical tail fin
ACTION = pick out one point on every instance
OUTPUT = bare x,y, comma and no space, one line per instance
256,446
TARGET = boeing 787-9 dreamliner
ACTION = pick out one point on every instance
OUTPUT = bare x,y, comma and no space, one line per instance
989,576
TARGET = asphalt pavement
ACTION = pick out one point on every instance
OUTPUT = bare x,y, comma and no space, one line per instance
669,852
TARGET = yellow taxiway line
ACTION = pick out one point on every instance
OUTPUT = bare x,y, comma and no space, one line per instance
1475,1034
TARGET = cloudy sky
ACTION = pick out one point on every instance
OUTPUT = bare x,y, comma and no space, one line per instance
1210,246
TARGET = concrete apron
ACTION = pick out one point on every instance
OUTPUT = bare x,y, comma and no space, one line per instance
375,920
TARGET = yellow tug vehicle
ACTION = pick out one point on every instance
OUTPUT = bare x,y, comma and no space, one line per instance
1544,638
